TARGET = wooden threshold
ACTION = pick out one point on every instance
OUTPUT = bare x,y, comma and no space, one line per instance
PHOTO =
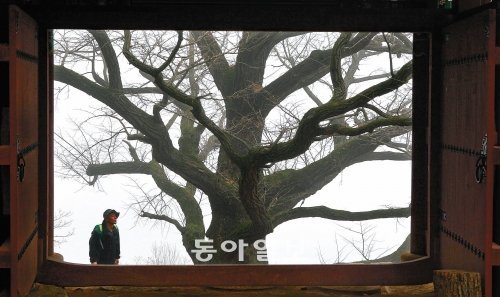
65,274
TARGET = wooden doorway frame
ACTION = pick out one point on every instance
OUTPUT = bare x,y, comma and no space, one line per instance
424,212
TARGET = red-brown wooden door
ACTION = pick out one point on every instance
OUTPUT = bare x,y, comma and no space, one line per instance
23,104
468,136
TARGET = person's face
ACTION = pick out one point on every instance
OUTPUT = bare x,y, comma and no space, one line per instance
111,218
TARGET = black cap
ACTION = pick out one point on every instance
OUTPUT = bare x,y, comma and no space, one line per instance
108,211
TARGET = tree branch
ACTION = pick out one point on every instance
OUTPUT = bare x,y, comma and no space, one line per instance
407,42
310,70
389,52
309,125
367,127
384,156
214,58
139,137
153,132
132,151
340,215
369,77
96,76
253,51
233,146
284,189
110,58
312,96
339,87
115,100
118,168
173,53
163,218
142,90
188,204
397,48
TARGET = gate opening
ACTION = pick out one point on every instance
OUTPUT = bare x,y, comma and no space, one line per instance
232,147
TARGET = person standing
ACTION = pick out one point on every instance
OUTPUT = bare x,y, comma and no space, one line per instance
104,243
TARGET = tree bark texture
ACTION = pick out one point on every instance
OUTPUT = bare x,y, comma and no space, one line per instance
457,283
235,291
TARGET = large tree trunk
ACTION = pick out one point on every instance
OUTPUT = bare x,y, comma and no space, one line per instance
230,244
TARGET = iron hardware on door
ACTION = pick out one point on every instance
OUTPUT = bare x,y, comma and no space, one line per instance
481,161
21,162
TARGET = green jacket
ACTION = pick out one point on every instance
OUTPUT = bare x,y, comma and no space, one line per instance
104,245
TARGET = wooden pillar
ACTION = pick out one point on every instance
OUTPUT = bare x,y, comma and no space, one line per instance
419,196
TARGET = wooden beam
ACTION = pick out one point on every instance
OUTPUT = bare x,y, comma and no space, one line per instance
237,16
70,275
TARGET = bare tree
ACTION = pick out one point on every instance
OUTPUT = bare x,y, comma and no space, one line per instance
249,124
340,253
364,242
62,226
164,254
